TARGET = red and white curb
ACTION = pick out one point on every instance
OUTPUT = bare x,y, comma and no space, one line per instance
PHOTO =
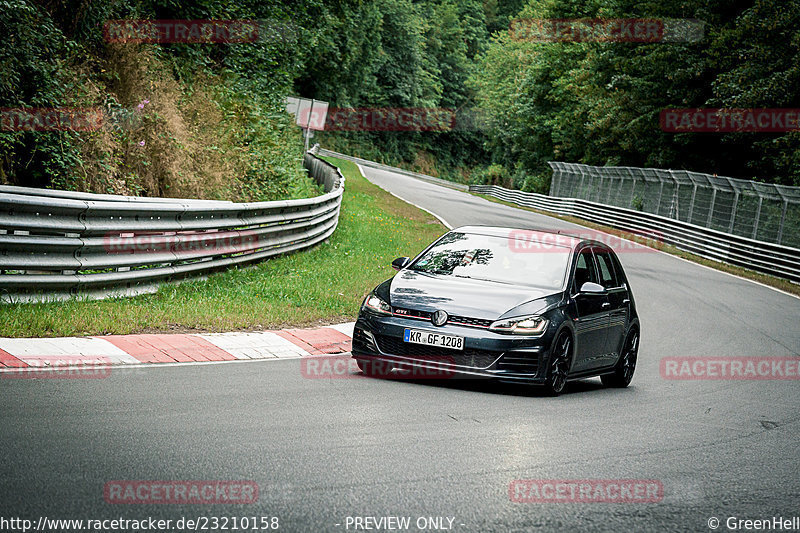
16,354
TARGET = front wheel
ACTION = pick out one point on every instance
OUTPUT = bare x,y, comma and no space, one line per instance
623,373
558,369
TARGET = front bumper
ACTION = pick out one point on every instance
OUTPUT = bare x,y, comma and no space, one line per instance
511,358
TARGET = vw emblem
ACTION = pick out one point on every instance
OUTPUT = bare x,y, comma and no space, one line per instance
439,318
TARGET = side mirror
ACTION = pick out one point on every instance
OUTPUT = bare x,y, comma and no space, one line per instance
400,263
592,288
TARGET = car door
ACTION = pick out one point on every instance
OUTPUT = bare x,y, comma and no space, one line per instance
612,279
591,313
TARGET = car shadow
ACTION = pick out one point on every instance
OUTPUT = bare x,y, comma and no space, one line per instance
490,386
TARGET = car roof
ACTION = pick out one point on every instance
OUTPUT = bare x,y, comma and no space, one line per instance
497,231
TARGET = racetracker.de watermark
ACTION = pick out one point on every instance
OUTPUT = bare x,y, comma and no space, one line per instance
586,491
538,241
614,30
60,367
730,368
51,118
180,492
717,120
183,244
197,31
421,119
345,367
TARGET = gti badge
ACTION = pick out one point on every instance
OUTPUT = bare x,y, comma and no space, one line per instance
439,318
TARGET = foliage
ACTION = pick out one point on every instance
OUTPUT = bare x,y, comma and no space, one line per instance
599,102
179,119
215,126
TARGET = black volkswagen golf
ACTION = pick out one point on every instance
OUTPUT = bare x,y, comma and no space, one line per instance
513,305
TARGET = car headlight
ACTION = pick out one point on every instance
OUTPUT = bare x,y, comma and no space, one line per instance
527,325
376,305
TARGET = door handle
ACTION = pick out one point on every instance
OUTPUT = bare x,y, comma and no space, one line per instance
626,301
605,304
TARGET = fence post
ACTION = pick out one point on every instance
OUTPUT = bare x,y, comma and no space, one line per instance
711,208
783,219
600,188
691,202
583,177
610,186
660,192
619,192
758,214
554,180
633,188
733,211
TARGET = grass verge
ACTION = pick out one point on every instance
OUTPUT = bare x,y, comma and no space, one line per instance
772,281
322,285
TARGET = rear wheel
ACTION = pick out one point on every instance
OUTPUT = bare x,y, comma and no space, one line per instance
623,373
558,369
374,368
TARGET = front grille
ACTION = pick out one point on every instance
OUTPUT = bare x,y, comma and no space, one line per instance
453,319
468,321
467,357
519,364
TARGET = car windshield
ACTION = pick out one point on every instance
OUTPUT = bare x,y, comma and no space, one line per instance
496,259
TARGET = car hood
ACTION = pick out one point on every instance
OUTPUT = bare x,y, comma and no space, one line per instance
465,297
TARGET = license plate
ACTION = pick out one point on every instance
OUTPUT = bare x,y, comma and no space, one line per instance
429,338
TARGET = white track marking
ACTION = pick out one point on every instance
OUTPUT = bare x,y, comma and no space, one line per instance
248,345
35,350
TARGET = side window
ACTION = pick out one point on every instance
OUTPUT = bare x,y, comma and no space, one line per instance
618,268
584,270
608,277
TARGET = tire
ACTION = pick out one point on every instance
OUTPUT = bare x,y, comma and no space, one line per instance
374,369
623,373
558,366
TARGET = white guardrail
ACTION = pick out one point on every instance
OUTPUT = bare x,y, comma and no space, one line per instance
56,244
769,258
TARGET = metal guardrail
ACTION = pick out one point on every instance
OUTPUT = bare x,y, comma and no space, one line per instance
379,166
769,258
764,212
57,244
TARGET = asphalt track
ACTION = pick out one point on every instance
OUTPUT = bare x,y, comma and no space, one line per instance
323,450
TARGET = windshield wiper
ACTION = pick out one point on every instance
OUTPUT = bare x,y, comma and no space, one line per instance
485,279
442,272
